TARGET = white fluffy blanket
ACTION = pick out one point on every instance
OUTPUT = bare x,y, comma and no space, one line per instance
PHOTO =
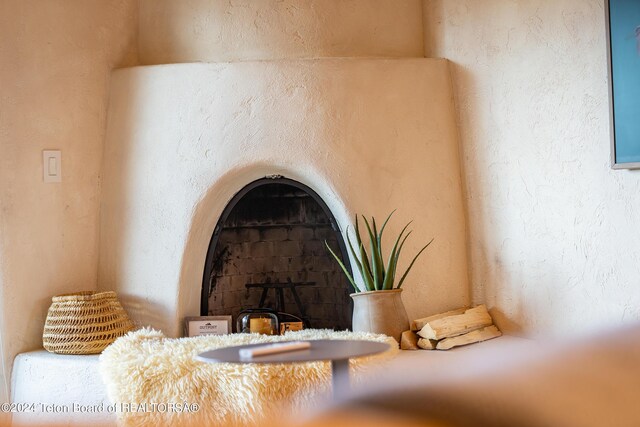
145,367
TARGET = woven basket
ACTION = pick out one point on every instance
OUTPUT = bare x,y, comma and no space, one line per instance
84,322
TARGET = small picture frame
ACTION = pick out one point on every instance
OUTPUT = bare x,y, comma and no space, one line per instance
196,326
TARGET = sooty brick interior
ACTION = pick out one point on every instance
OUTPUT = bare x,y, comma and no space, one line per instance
276,233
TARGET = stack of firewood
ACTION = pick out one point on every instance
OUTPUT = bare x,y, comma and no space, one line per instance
451,329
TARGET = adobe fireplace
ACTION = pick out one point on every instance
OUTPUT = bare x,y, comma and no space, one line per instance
367,135
268,250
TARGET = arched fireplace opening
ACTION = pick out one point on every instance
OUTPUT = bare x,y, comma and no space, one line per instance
268,250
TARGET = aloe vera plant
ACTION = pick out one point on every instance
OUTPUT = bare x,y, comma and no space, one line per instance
376,274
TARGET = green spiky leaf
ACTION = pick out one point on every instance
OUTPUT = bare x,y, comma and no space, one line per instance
376,258
404,276
375,274
355,256
366,270
379,237
343,267
393,261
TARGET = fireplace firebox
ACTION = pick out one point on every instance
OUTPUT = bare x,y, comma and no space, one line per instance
268,251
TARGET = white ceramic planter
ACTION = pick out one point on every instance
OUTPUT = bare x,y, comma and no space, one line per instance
380,312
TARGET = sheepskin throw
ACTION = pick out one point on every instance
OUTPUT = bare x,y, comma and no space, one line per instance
145,367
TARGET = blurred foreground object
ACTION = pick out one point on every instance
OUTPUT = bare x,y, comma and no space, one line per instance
591,382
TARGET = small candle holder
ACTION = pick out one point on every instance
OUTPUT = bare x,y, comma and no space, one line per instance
258,320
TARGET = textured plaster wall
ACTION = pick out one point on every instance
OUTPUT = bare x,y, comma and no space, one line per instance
224,30
56,57
368,135
553,231
4,370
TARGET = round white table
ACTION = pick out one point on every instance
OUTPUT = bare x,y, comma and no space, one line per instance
337,351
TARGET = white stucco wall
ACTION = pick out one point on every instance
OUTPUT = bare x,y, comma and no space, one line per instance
554,231
56,56
4,375
224,30
368,135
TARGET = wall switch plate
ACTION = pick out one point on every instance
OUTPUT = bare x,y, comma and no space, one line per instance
52,165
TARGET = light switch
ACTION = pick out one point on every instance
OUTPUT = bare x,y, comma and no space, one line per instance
52,165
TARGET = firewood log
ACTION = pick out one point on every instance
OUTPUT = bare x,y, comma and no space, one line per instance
418,324
409,341
426,344
450,326
472,337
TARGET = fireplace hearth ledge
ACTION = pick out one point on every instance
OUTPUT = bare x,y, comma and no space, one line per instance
37,373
